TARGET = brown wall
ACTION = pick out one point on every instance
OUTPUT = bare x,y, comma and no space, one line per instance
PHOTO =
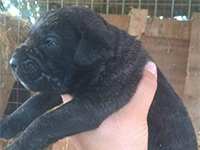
170,56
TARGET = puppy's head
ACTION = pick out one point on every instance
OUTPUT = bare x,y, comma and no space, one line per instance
60,44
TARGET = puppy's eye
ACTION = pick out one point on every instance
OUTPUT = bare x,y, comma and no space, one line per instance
51,43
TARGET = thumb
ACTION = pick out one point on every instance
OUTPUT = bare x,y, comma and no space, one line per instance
143,97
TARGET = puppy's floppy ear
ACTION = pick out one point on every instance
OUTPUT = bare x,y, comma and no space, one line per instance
93,46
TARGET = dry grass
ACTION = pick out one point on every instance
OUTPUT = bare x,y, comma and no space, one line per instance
13,32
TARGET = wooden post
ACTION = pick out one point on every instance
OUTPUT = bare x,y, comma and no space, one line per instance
192,84
138,22
122,22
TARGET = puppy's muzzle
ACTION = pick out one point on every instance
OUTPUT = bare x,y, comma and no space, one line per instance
29,68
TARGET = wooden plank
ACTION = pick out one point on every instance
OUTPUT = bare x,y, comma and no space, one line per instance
138,22
171,57
168,28
122,22
192,85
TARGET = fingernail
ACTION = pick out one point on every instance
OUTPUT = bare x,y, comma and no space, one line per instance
151,67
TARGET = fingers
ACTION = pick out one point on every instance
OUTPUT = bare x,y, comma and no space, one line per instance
66,98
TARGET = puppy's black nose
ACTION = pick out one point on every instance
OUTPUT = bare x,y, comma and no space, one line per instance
13,62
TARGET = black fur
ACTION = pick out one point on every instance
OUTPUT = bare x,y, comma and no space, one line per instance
73,50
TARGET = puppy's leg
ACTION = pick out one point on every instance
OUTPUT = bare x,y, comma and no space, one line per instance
71,118
26,113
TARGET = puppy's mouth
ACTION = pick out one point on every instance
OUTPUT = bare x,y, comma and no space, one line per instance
30,74
31,70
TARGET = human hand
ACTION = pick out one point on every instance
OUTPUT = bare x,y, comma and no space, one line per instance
127,128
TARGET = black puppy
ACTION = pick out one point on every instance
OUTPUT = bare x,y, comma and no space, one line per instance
75,51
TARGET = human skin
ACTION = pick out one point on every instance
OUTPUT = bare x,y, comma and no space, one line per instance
127,128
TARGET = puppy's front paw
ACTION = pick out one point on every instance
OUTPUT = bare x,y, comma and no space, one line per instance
11,147
15,146
8,128
20,144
